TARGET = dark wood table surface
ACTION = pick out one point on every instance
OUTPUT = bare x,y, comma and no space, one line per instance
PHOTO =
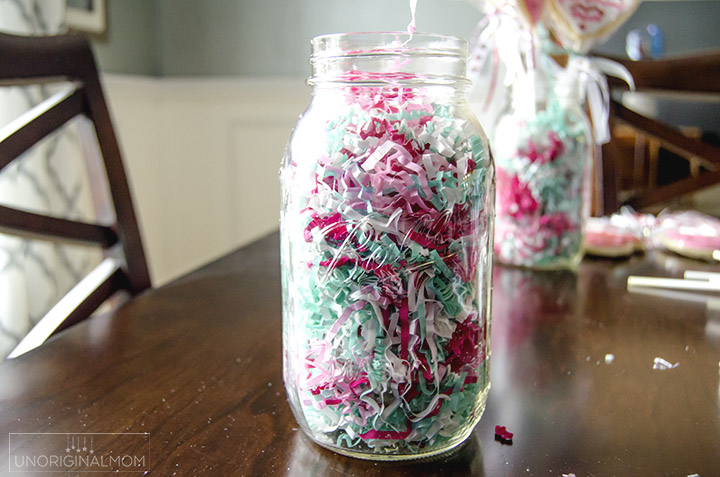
197,366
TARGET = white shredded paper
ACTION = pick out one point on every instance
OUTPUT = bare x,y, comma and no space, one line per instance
663,364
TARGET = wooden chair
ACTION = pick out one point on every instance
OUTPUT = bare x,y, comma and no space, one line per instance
68,60
694,74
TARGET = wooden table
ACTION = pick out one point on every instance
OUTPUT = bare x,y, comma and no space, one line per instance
195,367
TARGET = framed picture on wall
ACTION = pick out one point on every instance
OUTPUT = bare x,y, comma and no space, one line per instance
89,16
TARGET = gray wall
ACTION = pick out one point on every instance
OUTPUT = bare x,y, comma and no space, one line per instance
686,26
252,37
271,37
131,44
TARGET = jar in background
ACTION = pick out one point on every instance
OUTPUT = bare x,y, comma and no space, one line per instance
542,150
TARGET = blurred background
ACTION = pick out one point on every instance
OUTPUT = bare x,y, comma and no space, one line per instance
204,95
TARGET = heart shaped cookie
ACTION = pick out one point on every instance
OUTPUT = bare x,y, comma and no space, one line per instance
581,24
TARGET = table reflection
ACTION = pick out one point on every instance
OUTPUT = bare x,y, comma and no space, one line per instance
572,368
535,327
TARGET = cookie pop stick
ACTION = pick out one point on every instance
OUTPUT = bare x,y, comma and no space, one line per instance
675,283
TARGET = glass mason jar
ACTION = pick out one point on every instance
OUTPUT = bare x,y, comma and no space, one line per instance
386,230
543,154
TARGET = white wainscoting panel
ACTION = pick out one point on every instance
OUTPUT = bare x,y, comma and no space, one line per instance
203,158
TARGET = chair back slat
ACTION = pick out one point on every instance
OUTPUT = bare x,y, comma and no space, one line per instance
46,58
44,227
40,121
79,303
706,154
693,73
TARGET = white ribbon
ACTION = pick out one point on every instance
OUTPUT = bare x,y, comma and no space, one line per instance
589,76
501,35
412,25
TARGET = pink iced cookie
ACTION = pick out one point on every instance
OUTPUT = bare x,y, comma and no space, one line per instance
689,245
604,237
691,234
611,241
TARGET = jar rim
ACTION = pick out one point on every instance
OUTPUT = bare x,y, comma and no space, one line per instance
388,43
377,58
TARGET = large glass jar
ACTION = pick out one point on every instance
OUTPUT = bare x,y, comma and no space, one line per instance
388,198
543,157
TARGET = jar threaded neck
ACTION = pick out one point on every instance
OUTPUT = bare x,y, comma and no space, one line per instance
389,58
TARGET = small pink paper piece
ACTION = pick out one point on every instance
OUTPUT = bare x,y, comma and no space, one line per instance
502,435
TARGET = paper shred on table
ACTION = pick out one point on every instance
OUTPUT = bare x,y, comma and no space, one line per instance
663,364
609,358
502,435
568,475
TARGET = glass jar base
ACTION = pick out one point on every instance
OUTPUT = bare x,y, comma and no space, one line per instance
442,452
570,264
447,449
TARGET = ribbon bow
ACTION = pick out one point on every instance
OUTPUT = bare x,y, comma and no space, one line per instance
589,76
501,35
